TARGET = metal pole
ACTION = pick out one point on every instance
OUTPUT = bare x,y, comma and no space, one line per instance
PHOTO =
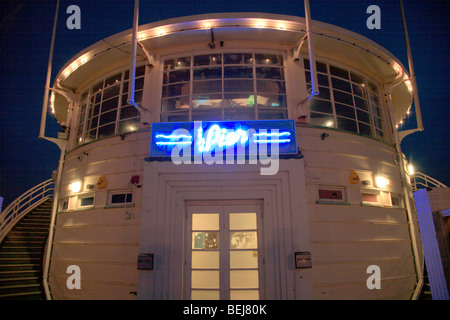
49,73
411,71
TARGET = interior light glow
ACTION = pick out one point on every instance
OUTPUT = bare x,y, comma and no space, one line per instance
329,124
381,182
75,186
411,169
52,103
409,85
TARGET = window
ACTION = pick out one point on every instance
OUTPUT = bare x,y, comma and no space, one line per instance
370,197
87,201
396,200
121,198
64,204
104,110
346,101
228,86
331,194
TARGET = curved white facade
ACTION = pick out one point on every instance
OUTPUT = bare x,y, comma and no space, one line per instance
225,231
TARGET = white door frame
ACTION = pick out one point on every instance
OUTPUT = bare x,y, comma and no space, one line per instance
168,187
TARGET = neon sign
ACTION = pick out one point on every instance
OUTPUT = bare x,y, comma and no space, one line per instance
227,137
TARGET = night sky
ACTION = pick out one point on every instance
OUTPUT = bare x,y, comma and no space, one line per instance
26,28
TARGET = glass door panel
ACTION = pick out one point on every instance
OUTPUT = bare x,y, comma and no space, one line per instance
205,268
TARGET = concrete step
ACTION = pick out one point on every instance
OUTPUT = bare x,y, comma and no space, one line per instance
7,282
20,267
19,288
17,274
36,295
20,261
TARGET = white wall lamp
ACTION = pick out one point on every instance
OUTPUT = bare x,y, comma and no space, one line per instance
381,182
75,186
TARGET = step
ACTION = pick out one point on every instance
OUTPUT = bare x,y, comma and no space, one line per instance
29,233
36,241
32,248
36,220
26,227
19,255
22,234
19,261
17,274
20,267
20,281
37,295
21,288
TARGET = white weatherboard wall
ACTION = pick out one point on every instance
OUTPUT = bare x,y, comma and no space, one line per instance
100,239
347,238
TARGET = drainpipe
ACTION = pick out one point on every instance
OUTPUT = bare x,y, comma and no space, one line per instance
418,264
312,56
133,56
49,248
411,226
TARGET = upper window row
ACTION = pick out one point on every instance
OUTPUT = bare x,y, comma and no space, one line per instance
104,110
346,101
228,86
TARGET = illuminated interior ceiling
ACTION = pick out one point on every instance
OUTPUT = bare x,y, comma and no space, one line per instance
330,42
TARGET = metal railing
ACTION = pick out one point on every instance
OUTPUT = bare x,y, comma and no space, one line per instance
421,181
24,204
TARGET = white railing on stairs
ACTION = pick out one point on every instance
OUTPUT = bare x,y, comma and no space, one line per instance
24,204
421,181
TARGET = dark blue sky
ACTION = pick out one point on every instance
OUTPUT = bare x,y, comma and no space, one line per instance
26,27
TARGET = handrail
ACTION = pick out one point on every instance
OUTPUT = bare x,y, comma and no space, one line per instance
420,181
24,204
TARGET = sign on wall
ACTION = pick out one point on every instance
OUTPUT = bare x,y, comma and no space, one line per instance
227,138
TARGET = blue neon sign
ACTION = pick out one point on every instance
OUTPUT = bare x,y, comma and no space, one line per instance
237,137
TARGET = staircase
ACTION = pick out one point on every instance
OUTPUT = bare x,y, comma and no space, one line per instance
21,255
425,294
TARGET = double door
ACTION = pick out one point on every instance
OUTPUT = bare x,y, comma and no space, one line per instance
224,252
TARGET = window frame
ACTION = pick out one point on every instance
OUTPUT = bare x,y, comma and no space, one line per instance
121,204
376,119
85,106
328,188
80,199
375,192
